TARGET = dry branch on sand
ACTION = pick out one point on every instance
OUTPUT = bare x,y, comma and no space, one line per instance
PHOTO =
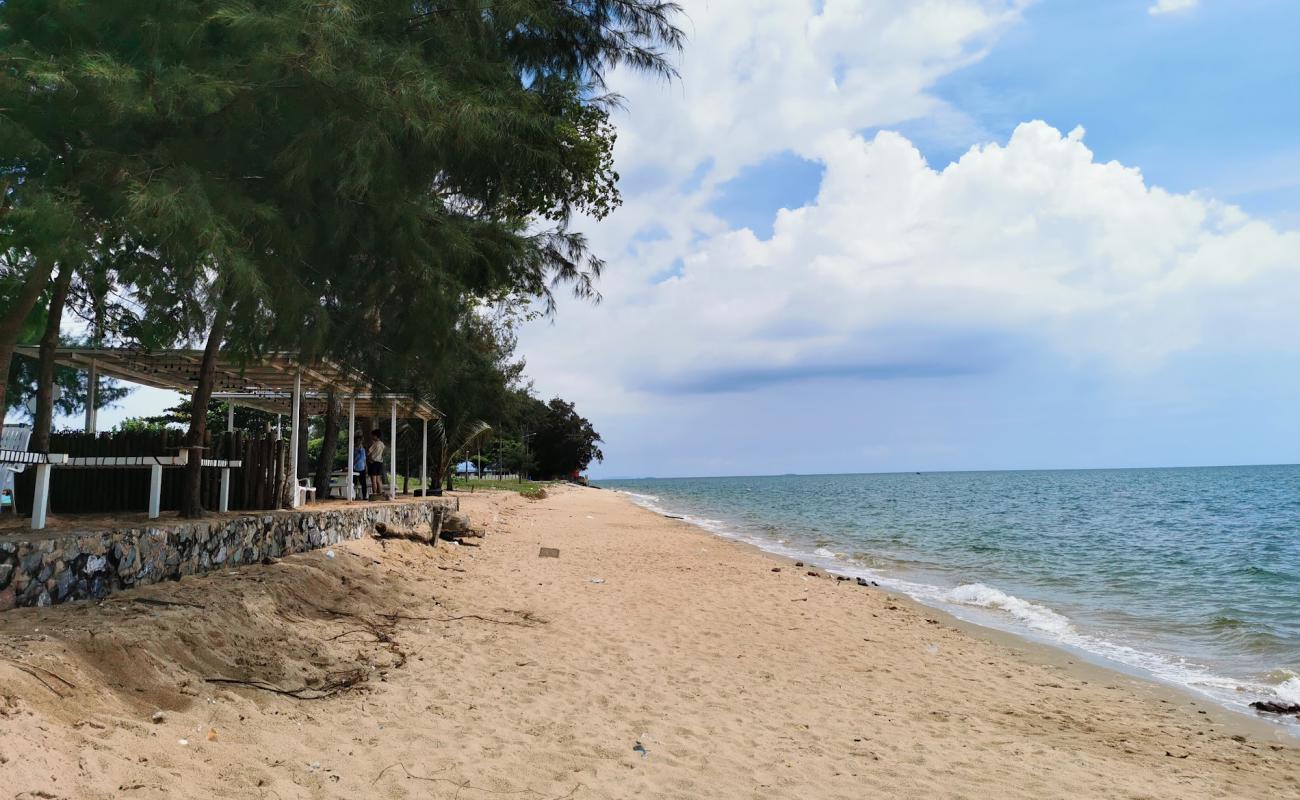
40,674
331,688
462,785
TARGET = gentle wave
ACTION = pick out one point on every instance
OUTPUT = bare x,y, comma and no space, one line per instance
1288,691
1024,616
1038,617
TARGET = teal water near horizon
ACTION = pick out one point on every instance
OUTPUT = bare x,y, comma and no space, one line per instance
1190,576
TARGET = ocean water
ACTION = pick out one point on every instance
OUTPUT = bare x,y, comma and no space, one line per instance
1189,576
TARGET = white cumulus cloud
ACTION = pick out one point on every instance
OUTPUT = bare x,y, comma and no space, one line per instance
1170,6
763,76
898,270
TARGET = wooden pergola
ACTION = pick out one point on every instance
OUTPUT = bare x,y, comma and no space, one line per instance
278,383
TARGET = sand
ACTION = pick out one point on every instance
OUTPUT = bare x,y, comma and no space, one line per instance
650,659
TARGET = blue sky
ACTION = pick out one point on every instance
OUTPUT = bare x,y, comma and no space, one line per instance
1202,99
874,235
792,290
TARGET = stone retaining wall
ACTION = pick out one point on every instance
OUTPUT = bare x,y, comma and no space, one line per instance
91,564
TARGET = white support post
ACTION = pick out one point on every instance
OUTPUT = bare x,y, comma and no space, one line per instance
392,455
92,396
352,446
424,461
41,497
224,502
155,490
225,490
296,427
279,433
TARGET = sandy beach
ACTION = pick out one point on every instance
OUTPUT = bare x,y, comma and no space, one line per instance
650,659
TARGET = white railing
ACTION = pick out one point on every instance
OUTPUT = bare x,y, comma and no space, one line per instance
44,461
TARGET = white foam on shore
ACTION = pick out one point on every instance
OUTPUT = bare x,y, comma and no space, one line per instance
1288,691
1038,617
991,607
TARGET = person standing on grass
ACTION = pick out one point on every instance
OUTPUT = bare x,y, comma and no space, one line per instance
375,462
359,471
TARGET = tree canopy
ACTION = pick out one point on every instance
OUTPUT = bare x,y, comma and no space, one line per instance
334,179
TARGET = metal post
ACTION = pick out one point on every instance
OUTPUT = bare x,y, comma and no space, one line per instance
352,434
295,424
41,497
92,395
424,461
392,455
155,490
223,503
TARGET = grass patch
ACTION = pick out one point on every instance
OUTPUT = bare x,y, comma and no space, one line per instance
533,492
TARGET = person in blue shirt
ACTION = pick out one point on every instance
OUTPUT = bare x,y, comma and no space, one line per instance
359,468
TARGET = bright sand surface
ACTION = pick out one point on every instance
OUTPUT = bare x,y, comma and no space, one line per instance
491,672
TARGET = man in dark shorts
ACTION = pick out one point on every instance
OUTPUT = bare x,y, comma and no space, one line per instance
375,463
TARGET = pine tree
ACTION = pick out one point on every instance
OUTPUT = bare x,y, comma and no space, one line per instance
327,178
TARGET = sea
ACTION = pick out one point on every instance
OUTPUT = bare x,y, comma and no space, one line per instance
1187,576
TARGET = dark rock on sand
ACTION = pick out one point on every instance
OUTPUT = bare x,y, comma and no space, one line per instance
776,569
798,563
1270,707
863,582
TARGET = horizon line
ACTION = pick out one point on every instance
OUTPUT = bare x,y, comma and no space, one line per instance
935,472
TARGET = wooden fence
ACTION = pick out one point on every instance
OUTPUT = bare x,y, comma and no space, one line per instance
261,483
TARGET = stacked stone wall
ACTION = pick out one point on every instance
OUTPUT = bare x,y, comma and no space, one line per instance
48,569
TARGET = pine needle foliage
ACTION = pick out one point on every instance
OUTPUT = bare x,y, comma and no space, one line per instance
331,177
317,166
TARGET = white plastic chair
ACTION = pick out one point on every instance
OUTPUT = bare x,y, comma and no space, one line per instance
15,437
306,490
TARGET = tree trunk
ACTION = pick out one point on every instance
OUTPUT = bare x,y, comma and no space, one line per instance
329,446
49,342
191,500
11,323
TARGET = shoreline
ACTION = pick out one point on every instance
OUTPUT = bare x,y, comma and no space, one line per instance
1053,650
1046,653
649,659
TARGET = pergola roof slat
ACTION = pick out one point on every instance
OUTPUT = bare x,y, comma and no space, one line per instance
266,383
